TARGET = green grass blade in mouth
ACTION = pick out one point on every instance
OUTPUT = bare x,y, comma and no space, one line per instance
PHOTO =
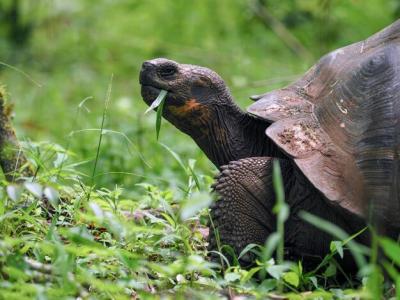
159,102
159,112
156,103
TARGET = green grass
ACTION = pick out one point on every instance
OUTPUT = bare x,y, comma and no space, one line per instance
125,215
73,240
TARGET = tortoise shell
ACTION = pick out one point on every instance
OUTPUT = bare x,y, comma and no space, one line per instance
340,124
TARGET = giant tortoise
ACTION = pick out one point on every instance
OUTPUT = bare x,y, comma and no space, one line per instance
335,132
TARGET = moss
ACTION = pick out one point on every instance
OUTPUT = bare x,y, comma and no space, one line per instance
3,93
11,159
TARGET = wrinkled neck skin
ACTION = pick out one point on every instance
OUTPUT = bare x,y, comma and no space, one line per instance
233,134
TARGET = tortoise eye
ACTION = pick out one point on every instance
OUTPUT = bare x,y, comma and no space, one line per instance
167,71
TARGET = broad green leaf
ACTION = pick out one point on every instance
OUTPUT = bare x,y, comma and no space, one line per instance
277,271
391,249
292,278
268,285
337,246
249,274
330,270
314,281
231,277
34,188
52,195
14,192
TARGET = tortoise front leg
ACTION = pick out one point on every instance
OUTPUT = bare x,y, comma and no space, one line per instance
243,213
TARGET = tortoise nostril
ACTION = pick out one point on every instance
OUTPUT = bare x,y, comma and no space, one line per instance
147,72
147,65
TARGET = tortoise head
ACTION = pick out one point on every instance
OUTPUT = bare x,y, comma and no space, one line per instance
194,93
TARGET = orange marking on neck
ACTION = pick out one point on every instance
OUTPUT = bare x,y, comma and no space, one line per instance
188,107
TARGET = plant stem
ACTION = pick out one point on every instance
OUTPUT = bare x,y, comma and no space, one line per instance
281,210
106,104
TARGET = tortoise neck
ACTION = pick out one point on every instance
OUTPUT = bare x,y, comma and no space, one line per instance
233,134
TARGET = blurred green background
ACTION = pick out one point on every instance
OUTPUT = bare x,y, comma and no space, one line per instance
72,48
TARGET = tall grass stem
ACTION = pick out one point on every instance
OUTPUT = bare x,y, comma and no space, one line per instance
103,119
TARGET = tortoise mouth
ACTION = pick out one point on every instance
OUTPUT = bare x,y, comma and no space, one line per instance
152,84
149,93
150,88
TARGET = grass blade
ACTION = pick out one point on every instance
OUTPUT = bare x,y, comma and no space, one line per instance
337,232
156,103
105,110
159,104
176,156
159,112
281,209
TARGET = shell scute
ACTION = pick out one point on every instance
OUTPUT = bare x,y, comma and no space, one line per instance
340,123
298,137
280,104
